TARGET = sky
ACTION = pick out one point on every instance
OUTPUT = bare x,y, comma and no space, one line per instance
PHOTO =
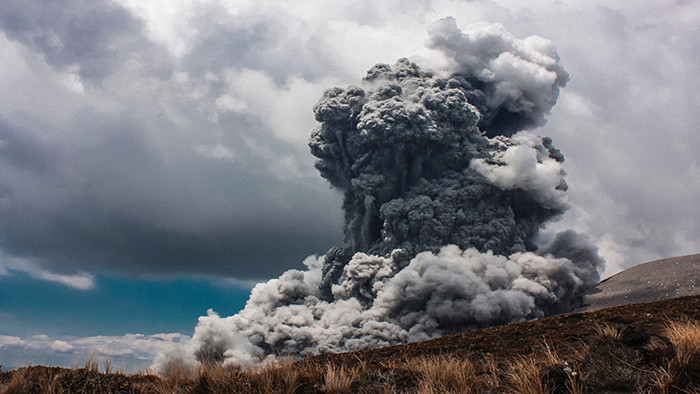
154,159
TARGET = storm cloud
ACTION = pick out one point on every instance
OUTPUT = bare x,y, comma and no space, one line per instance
197,114
165,177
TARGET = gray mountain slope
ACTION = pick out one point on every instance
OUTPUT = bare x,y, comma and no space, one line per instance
655,280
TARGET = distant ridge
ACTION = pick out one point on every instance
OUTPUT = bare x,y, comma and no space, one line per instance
652,281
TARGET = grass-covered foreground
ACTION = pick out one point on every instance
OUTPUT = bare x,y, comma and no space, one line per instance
650,347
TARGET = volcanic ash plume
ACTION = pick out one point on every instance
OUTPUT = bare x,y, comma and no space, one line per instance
444,195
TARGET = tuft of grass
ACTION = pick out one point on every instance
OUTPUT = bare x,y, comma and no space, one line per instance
606,331
339,378
176,371
685,337
278,375
444,374
217,378
681,373
525,376
92,363
491,371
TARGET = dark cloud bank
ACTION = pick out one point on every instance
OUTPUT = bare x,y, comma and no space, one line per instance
121,190
445,192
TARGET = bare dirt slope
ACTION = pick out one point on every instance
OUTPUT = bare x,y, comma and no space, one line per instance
652,281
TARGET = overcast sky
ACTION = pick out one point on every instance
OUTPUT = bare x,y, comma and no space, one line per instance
152,148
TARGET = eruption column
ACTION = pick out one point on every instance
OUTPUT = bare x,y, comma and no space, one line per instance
445,191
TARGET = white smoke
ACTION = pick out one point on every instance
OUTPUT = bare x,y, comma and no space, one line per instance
435,294
444,196
521,77
523,162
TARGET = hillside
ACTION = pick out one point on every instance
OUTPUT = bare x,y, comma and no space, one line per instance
563,333
652,281
621,349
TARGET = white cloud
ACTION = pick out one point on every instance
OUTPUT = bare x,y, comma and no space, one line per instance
61,346
167,21
285,109
133,351
79,281
626,122
6,340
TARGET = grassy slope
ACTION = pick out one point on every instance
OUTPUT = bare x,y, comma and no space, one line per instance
563,332
648,347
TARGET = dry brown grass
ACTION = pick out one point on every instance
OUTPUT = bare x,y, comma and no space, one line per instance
338,379
278,376
685,337
92,363
176,372
447,374
607,331
611,358
525,376
682,372
542,372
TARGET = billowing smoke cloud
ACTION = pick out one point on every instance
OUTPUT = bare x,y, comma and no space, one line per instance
443,203
518,80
